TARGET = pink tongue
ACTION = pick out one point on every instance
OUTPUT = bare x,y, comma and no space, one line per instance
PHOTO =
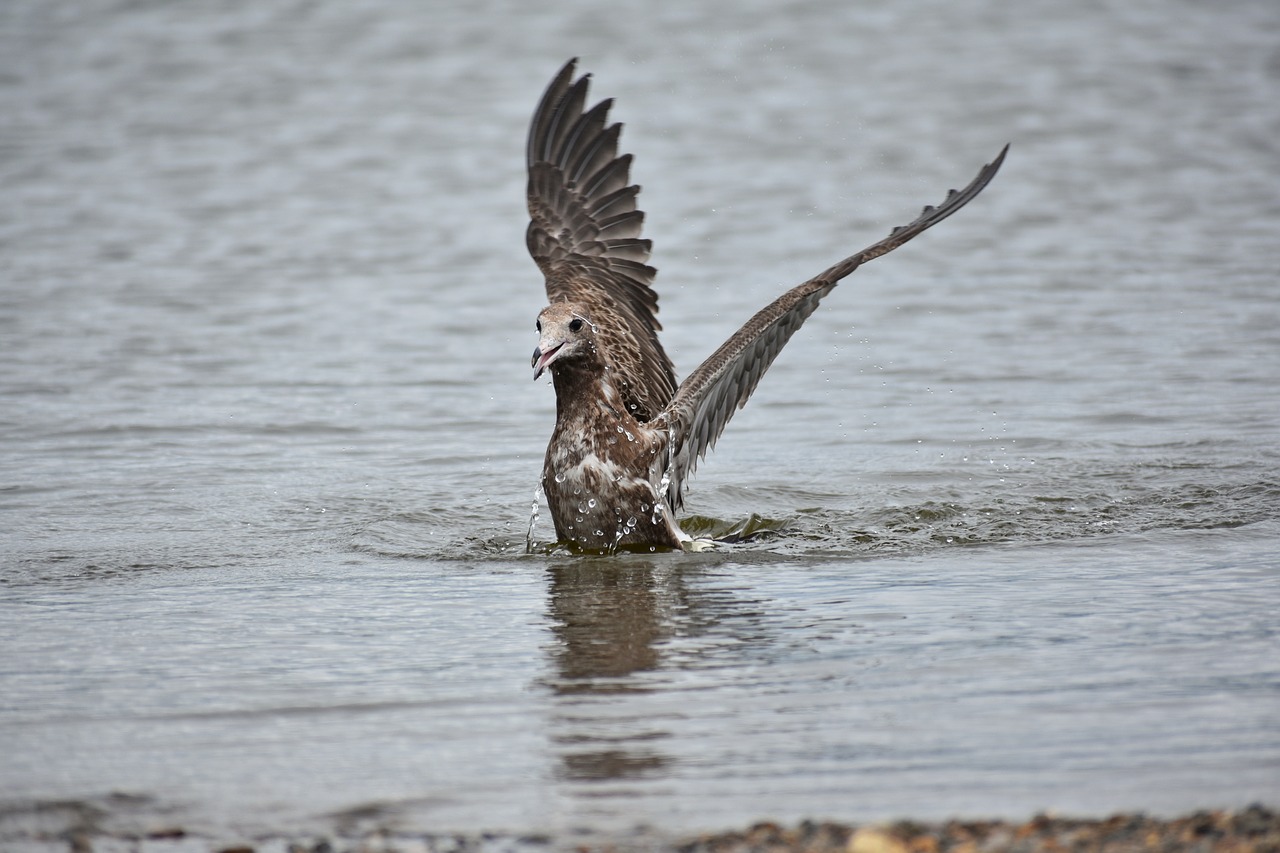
541,364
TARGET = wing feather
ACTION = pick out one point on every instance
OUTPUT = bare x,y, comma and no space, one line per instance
584,234
722,384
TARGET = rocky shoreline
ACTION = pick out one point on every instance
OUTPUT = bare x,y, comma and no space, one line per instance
1255,829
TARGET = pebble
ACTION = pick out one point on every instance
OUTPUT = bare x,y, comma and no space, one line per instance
1255,829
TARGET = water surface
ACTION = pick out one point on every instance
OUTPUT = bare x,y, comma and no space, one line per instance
270,444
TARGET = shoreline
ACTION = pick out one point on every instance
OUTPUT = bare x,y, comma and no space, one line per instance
1254,829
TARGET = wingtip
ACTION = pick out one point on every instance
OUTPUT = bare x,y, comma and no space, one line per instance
565,75
985,176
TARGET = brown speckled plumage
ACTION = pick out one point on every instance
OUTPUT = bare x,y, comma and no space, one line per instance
626,436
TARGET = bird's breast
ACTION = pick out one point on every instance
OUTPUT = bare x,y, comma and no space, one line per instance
599,483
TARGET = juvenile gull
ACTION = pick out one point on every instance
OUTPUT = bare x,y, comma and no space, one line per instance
626,435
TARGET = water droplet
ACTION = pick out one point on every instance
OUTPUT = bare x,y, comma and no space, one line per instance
561,477
591,503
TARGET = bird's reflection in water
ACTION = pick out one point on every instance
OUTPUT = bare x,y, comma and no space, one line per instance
609,618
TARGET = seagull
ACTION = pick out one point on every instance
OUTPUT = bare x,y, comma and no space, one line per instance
627,435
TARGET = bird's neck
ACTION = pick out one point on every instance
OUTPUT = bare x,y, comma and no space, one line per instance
586,387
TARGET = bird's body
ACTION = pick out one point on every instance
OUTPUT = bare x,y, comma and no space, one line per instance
626,436
603,470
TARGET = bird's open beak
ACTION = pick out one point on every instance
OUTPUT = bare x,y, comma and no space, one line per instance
542,358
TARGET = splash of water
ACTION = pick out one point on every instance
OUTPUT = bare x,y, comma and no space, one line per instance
664,486
538,495
625,528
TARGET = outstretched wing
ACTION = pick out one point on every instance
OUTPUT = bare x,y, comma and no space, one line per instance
584,234
722,384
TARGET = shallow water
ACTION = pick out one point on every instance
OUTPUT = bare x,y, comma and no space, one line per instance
1011,500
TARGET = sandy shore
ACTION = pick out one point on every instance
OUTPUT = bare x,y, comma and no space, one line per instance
1255,829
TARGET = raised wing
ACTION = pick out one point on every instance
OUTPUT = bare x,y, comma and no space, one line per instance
584,234
723,383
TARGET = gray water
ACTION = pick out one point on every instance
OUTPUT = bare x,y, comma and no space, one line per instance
270,445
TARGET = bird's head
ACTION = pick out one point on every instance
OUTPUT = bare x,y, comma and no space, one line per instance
567,334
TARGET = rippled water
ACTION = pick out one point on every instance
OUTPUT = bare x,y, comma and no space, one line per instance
1006,513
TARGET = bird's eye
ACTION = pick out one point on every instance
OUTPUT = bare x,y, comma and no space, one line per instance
537,324
575,325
